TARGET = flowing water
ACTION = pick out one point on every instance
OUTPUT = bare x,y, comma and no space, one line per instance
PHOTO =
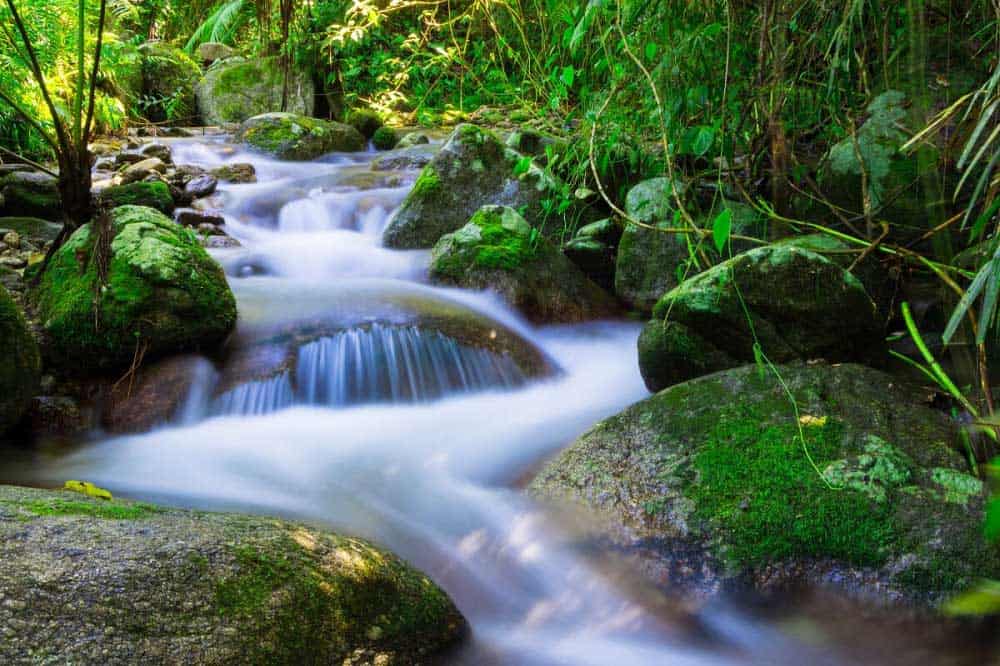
373,422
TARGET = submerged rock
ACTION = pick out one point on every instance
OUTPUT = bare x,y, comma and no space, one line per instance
794,303
291,137
33,228
239,172
875,495
163,294
471,170
499,250
20,364
89,580
237,88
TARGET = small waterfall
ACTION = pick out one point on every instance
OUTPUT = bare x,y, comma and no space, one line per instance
388,364
255,398
396,364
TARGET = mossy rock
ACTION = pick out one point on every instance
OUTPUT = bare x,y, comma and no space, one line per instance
235,89
207,588
163,294
30,194
20,364
366,121
876,492
794,303
32,228
471,170
153,194
168,73
499,250
649,263
901,187
593,250
385,138
291,137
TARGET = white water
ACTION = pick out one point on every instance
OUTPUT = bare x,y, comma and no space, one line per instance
433,480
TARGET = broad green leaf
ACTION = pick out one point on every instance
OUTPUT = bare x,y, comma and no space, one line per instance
984,599
650,50
522,167
722,227
568,75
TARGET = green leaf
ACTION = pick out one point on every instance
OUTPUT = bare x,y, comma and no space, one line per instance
722,227
984,599
650,50
568,75
522,166
703,140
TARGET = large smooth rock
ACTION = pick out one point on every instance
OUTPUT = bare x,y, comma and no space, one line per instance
209,52
163,294
236,89
169,74
153,194
87,580
593,250
291,137
901,187
471,170
800,304
20,364
32,228
499,250
30,194
713,475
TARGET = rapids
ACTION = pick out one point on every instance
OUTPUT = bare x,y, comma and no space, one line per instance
413,438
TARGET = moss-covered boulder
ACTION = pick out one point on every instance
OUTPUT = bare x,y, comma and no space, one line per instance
152,194
716,470
593,250
900,186
33,228
235,89
366,121
471,170
20,364
385,138
169,77
499,250
648,262
794,303
163,294
87,580
30,194
291,137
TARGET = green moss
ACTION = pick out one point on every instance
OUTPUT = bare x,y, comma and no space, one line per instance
353,595
956,487
20,364
385,138
427,183
757,486
102,509
153,194
366,121
164,293
496,237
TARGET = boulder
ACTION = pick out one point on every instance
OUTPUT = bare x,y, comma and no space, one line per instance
158,150
413,139
499,250
366,121
20,364
404,159
33,228
291,137
169,76
193,218
154,194
143,169
900,186
471,170
801,306
90,580
713,476
30,194
209,52
240,172
593,250
236,89
201,186
163,294
385,138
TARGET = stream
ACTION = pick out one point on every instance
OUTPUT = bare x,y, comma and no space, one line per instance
352,402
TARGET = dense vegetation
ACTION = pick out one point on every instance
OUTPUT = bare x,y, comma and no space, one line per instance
868,131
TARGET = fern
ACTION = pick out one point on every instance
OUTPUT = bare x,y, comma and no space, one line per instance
221,25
